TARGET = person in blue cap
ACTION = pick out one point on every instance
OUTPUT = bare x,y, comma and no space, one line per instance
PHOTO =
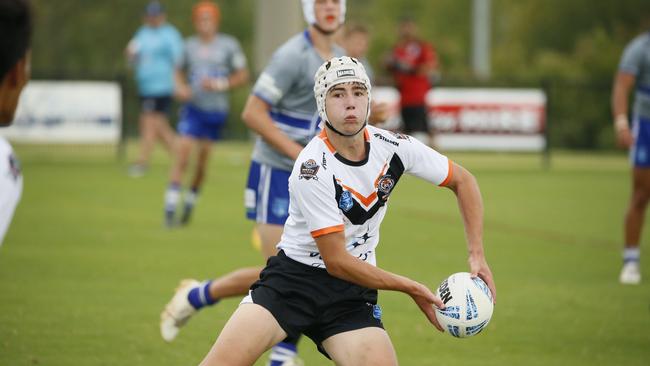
154,52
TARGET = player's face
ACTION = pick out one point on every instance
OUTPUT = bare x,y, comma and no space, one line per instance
155,20
205,24
357,44
11,87
328,14
347,105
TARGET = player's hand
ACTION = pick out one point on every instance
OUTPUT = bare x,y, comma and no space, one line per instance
479,267
183,93
215,84
425,299
378,112
624,138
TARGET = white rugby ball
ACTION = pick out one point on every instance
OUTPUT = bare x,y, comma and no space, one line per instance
468,304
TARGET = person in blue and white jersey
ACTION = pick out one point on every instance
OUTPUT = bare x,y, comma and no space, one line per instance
323,282
213,64
634,74
15,71
154,52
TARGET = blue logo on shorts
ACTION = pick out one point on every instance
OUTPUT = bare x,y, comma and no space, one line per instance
376,312
345,203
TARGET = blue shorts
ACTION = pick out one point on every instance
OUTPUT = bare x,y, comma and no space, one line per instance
267,194
200,124
640,152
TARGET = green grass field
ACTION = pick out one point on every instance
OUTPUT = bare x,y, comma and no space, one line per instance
87,266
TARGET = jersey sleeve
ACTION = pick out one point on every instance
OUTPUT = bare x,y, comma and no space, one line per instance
424,162
238,58
314,194
632,57
278,76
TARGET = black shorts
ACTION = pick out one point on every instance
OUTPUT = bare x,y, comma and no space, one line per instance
415,119
161,104
307,300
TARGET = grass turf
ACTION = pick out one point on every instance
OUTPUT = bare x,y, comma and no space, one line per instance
87,265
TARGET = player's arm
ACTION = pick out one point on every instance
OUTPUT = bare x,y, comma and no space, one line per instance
256,117
182,90
470,203
341,264
623,84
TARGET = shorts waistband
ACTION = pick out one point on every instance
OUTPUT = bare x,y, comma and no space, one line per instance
285,259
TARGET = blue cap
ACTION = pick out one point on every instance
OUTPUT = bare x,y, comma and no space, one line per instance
154,8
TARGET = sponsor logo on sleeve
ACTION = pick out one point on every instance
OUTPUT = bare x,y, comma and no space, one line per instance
308,170
400,136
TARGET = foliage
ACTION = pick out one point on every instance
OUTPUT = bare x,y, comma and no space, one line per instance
555,43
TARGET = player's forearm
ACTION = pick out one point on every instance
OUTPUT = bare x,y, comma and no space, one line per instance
622,86
238,78
356,271
256,117
470,204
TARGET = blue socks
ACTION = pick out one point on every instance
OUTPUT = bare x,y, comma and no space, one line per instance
282,352
200,296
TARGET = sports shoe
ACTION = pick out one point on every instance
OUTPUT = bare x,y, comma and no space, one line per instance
187,214
630,274
178,311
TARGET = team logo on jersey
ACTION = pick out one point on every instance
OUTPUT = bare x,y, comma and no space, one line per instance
385,185
14,167
308,170
345,72
400,136
345,202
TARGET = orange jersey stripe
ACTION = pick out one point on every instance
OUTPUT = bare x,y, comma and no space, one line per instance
323,136
450,173
327,230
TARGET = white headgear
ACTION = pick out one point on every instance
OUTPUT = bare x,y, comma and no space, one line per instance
336,71
310,14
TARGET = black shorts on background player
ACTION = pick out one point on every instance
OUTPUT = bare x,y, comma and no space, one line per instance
415,119
156,104
308,300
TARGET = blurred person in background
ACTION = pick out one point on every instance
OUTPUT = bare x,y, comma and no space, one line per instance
213,63
154,52
634,73
355,39
282,111
15,38
413,63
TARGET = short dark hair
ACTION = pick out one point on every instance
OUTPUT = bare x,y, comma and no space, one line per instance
15,32
355,28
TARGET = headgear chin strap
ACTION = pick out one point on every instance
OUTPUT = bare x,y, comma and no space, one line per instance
339,70
329,125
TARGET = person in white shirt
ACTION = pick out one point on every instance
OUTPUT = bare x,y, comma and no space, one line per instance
15,36
323,283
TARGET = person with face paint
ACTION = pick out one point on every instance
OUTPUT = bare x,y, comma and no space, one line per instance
282,111
213,64
323,282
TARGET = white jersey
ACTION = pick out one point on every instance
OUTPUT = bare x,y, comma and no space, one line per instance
329,193
11,185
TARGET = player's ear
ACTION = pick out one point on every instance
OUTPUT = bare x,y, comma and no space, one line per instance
19,74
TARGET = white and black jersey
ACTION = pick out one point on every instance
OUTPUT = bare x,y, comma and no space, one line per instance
329,193
11,185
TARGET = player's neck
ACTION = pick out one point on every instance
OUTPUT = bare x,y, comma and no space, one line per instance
207,38
352,148
323,43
